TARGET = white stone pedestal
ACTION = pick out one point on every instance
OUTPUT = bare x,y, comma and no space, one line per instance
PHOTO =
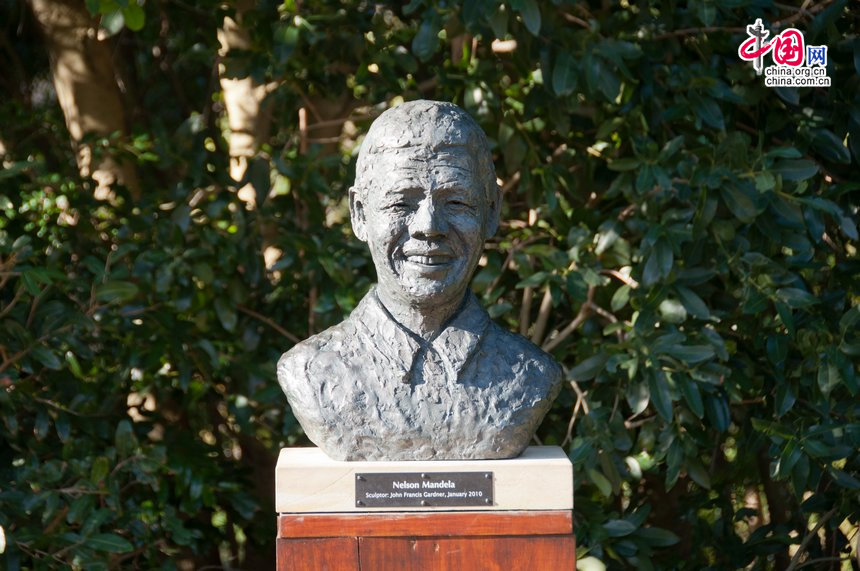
308,481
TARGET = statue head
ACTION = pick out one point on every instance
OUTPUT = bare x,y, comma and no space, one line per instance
425,199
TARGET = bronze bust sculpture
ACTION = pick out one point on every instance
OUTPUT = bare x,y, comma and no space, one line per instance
419,371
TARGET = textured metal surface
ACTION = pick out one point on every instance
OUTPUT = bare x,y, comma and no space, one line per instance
427,489
419,371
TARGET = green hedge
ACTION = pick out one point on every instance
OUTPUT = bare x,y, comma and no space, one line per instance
682,237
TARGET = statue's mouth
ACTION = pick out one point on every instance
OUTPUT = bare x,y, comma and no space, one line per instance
429,260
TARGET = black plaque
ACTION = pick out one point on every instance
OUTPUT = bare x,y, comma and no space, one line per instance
423,489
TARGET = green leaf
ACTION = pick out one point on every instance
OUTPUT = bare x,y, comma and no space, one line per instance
788,94
530,13
116,291
580,450
74,365
769,428
816,448
426,41
665,257
848,227
657,537
134,16
796,297
693,303
690,390
41,425
81,508
829,376
673,463
741,203
764,181
690,354
618,527
499,21
260,176
124,438
46,357
660,396
844,479
61,424
783,153
600,481
672,311
589,368
784,399
286,38
564,74
800,169
109,542
620,298
651,273
717,411
113,22
845,370
638,396
226,312
624,164
515,151
777,348
830,146
607,80
856,43
698,473
534,280
849,319
99,470
709,111
785,316
788,459
706,12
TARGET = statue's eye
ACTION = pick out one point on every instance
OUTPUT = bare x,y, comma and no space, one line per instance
399,206
459,205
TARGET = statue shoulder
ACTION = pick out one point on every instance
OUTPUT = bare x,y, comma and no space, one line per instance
297,367
522,353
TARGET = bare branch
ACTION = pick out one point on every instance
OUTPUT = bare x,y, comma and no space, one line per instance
795,561
575,20
554,339
268,322
621,277
778,24
580,396
543,316
525,310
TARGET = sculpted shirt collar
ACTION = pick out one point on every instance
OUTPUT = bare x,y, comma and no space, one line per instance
400,348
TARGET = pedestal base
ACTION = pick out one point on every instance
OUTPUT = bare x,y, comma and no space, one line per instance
421,540
522,517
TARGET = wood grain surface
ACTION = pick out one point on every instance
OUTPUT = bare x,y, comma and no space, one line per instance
548,552
329,554
555,522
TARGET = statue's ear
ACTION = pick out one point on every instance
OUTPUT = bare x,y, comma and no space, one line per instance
356,214
491,225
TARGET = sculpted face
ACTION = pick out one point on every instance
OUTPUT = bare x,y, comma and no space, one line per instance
425,217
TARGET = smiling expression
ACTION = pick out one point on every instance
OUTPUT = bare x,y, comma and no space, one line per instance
424,217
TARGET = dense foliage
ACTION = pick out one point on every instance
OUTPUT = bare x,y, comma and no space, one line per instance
681,237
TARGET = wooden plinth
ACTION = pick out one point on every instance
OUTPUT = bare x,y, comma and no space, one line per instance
420,540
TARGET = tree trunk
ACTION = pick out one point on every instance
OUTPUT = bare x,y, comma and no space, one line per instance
86,88
248,114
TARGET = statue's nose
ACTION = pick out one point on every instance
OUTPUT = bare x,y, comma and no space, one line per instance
428,221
